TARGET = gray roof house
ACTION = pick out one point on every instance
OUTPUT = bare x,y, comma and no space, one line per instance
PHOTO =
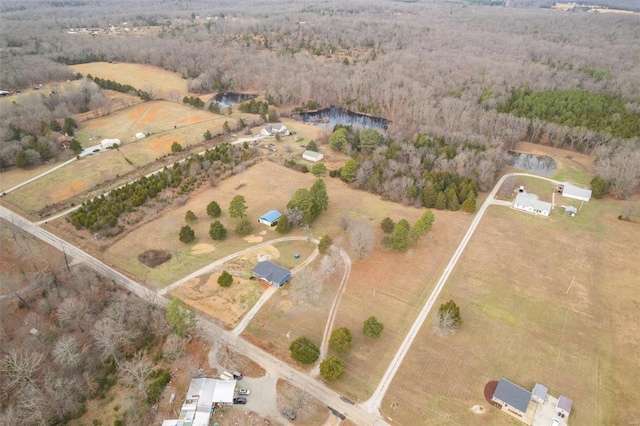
539,393
512,398
531,204
272,273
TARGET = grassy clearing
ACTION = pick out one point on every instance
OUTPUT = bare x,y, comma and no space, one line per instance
139,76
556,306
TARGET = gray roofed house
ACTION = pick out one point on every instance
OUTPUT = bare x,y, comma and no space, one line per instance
272,273
575,192
539,393
513,399
531,204
564,405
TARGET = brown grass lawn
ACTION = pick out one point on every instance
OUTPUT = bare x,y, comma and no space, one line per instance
14,175
549,300
137,75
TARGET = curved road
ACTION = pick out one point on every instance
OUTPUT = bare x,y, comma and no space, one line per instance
372,405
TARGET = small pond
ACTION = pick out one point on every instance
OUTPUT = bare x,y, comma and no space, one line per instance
540,164
327,118
228,99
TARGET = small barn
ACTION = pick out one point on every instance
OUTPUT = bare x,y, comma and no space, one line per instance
312,156
564,406
271,273
575,192
270,218
511,398
110,143
539,393
531,204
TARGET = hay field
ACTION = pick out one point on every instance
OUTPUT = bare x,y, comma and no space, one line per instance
549,300
137,75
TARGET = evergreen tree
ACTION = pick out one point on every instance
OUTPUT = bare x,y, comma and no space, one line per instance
213,209
226,128
176,147
452,198
304,350
319,193
338,139
400,236
319,170
340,340
207,135
369,139
387,225
469,204
244,227
237,208
325,243
372,328
75,146
598,187
441,201
190,216
348,173
186,234
180,319
284,225
312,146
217,231
225,279
429,196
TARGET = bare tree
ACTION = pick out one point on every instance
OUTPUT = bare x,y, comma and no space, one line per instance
445,323
21,367
307,287
135,371
67,352
72,311
173,347
361,235
295,216
109,336
299,400
331,262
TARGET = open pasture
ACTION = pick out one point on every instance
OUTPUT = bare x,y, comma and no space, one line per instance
548,300
163,83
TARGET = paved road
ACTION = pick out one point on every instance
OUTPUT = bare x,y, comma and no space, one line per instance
372,405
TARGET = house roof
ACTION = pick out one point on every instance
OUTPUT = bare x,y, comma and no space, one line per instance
202,394
312,154
564,403
540,391
524,199
575,192
271,215
270,272
513,395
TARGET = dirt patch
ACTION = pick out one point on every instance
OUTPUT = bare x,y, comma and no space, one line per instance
203,248
253,239
69,190
162,145
153,258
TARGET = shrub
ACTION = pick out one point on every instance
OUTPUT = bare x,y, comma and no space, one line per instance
213,209
186,234
190,216
244,227
325,243
372,328
176,147
225,279
217,231
387,225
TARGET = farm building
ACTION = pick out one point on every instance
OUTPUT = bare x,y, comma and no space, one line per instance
570,210
140,135
270,218
575,192
110,143
531,204
312,156
271,273
511,398
202,395
564,406
275,129
539,393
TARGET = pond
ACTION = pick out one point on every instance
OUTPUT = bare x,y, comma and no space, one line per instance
228,99
327,118
540,164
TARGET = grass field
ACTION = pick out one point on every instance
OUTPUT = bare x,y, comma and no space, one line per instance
167,121
141,77
549,300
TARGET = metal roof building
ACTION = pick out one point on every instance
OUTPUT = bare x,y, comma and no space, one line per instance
512,396
203,393
312,156
270,218
576,193
272,273
531,204
539,393
564,405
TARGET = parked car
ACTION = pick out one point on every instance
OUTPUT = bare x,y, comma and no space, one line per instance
337,413
288,413
237,375
225,375
240,400
244,392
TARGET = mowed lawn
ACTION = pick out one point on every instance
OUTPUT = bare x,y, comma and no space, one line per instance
544,300
142,77
169,122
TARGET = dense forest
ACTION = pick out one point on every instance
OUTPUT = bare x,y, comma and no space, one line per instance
450,71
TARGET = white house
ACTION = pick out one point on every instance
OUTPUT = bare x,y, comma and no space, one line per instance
312,156
531,204
110,143
275,129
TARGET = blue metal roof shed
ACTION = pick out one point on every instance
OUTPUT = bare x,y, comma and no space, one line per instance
270,218
272,273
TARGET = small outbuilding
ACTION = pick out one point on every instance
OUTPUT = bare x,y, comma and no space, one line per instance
270,218
140,135
110,143
531,204
570,210
564,406
575,192
312,156
511,398
539,393
271,273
